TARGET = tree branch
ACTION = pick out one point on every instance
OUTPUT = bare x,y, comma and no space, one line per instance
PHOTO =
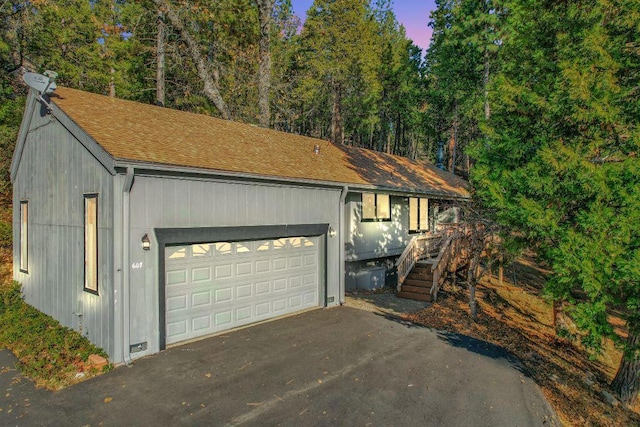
208,79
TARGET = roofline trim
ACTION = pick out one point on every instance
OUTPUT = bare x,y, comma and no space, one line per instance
96,150
25,124
148,169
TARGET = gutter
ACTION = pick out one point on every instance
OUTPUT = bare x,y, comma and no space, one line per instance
156,169
126,271
341,241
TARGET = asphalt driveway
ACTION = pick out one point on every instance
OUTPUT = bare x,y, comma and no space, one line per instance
338,366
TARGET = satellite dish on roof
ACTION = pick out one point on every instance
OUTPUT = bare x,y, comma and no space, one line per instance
43,84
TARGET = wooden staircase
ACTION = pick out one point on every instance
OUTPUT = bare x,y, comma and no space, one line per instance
423,266
418,283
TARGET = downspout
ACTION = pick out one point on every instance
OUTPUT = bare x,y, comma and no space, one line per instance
126,267
341,241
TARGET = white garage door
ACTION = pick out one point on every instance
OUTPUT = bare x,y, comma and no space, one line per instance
216,286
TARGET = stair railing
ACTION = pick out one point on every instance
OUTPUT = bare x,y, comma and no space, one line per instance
417,248
448,252
407,260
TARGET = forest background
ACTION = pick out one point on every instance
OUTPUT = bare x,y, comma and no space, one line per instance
537,102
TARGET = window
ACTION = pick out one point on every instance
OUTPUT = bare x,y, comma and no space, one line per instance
24,236
91,243
376,207
418,214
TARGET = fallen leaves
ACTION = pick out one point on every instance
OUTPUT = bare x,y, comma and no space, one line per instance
516,317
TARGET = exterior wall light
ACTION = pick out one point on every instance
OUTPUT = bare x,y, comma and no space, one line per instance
332,232
146,243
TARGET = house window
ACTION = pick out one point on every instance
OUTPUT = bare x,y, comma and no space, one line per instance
376,207
418,214
24,237
91,243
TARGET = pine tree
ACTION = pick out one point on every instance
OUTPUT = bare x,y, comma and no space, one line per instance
559,164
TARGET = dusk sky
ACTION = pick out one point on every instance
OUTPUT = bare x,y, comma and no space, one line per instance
413,14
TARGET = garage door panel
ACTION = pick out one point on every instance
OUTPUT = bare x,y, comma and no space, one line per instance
199,299
244,268
216,286
280,285
263,266
223,295
279,264
201,323
244,291
223,271
176,277
200,274
243,313
178,302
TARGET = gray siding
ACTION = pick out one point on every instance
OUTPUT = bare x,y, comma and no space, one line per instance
373,239
54,173
171,202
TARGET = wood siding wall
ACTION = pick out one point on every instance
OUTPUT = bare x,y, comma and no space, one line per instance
375,239
54,173
161,202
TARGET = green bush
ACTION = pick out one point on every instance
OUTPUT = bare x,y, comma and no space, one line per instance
6,235
49,353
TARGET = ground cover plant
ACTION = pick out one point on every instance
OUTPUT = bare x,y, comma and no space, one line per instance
515,315
52,355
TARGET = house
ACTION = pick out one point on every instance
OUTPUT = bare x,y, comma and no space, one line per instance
143,227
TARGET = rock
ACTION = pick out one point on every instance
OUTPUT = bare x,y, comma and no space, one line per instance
589,379
96,361
609,398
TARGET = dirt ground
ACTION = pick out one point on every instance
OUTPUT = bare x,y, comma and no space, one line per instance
515,316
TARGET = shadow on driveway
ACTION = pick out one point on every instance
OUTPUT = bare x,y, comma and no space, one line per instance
339,366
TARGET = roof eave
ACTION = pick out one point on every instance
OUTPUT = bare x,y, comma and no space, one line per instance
158,169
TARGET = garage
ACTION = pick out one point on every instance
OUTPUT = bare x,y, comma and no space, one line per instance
211,287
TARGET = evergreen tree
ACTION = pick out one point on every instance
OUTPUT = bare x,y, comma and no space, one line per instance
559,164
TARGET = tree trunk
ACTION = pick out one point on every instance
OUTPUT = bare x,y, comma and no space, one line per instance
112,83
472,280
208,79
265,10
453,142
626,384
336,115
485,82
160,61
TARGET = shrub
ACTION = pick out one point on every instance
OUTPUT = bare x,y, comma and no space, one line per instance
49,353
6,235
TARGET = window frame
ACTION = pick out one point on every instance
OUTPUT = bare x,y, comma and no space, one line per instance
92,288
420,210
24,237
376,205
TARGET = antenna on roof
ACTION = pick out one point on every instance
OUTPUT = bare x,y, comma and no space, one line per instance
43,84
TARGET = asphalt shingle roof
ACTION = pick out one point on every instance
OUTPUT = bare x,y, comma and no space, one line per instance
132,131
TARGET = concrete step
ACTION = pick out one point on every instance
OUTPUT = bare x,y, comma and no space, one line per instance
415,296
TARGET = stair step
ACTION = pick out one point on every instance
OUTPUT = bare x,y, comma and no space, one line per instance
416,289
421,270
418,297
427,277
419,283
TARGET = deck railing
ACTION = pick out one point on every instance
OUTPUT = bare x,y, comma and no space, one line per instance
441,263
451,256
418,248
